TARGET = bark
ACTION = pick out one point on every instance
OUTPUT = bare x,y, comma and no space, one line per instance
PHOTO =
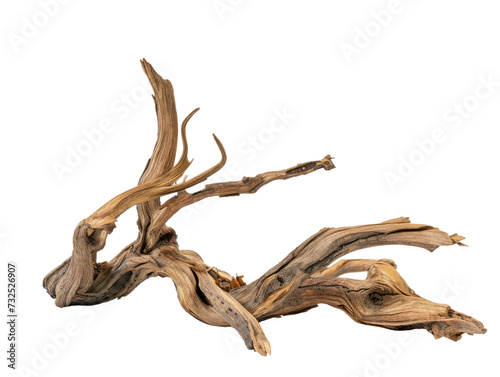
308,276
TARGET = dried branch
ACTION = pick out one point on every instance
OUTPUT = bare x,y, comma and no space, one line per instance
163,157
301,281
383,299
245,186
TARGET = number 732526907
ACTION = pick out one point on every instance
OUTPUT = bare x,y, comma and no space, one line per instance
11,288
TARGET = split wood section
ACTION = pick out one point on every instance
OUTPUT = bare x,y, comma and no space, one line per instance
301,281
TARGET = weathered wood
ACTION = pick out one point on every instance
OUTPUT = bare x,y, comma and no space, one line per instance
304,279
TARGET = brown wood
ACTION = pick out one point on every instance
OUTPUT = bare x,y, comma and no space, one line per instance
301,281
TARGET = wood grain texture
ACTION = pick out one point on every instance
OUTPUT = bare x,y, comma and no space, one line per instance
308,276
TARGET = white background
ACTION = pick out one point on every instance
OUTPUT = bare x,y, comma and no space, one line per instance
241,64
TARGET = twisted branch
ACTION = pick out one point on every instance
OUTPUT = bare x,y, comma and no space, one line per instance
304,279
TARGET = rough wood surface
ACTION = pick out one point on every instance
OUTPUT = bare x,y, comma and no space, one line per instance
300,282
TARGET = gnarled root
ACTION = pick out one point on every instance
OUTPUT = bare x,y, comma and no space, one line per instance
298,283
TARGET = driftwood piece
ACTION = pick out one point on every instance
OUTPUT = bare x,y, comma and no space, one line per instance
301,281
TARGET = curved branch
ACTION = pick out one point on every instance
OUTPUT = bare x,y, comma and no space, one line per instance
106,216
330,244
245,186
383,299
163,157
